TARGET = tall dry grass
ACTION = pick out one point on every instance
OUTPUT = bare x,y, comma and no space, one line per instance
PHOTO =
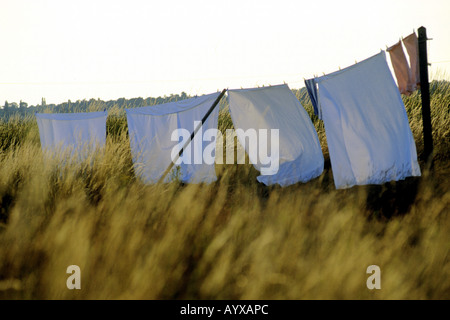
233,239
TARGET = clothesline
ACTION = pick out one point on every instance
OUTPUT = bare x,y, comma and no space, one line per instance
406,71
358,155
143,81
51,83
445,61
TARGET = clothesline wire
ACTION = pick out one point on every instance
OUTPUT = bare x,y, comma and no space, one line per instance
143,81
301,79
445,61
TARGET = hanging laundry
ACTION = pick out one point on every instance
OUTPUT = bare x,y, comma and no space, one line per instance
401,68
154,139
411,44
310,85
367,128
80,133
277,109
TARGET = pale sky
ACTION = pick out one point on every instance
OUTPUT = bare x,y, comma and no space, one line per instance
112,49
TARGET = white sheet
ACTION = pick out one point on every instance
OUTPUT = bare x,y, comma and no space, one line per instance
276,107
367,128
151,128
80,133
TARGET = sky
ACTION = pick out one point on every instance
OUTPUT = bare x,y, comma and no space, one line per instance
108,49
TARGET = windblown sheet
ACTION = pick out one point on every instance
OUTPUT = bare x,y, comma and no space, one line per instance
401,67
77,133
367,128
411,44
311,88
297,149
154,139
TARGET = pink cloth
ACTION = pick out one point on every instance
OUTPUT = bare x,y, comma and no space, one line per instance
411,44
401,68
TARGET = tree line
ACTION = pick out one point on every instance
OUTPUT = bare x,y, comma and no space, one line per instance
22,109
10,109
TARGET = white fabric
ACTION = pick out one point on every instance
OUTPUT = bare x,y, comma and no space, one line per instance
367,128
78,132
276,107
151,128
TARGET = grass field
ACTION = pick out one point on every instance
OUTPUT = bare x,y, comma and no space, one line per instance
233,239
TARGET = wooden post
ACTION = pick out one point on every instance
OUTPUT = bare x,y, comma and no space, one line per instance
205,117
425,93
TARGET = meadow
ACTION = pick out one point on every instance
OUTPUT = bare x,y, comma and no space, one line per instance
232,239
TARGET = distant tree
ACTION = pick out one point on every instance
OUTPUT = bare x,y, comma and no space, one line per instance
23,105
121,102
